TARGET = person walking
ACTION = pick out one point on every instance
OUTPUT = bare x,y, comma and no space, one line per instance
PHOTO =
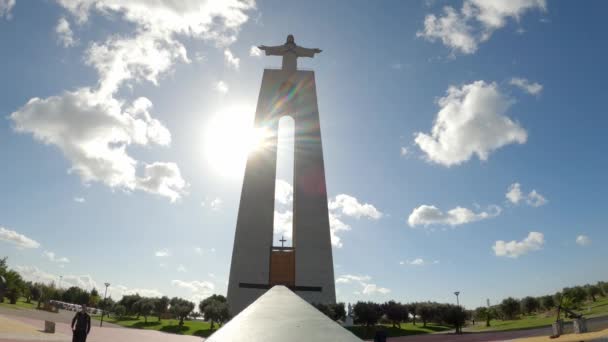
81,325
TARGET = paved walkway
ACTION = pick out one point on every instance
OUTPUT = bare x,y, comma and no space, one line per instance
25,329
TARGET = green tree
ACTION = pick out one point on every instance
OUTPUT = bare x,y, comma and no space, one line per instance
215,309
412,309
484,313
593,291
510,307
128,301
161,305
94,298
427,312
395,312
547,302
119,310
181,308
14,285
106,305
454,315
576,295
530,305
339,312
145,306
367,313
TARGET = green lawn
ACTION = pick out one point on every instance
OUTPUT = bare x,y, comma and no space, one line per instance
589,309
198,328
406,329
21,304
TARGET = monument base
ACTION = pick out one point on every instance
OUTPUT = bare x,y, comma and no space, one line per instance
280,315
348,322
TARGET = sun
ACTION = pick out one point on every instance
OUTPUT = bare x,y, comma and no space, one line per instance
229,137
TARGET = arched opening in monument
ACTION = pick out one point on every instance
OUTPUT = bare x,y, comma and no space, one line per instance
283,202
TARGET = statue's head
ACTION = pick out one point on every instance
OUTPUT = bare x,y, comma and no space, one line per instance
290,39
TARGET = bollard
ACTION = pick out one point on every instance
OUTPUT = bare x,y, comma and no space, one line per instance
580,326
558,328
49,327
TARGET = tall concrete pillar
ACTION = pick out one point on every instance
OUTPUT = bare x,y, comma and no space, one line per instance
253,271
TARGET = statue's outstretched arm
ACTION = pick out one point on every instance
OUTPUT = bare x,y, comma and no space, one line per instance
273,50
305,52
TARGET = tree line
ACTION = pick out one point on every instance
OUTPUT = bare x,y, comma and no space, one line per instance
13,286
395,313
571,298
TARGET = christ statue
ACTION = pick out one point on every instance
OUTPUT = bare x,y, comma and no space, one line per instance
290,52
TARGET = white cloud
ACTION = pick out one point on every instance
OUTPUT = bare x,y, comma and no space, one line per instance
199,289
198,250
93,132
462,31
471,121
163,179
65,36
452,29
79,199
350,206
362,280
514,194
348,278
255,52
336,225
118,291
426,215
418,262
513,249
52,257
404,151
181,268
231,60
32,273
215,204
533,198
162,253
397,66
19,240
193,285
221,87
90,126
283,223
340,205
370,289
5,8
283,192
583,240
530,88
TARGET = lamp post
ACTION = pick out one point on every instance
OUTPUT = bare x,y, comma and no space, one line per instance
457,293
104,303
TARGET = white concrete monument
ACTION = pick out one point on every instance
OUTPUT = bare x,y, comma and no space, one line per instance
280,315
257,265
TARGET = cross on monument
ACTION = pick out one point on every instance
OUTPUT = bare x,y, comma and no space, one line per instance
282,241
290,52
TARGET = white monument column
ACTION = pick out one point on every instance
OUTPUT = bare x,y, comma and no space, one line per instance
307,268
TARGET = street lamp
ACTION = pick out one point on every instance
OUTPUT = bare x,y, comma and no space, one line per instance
457,293
105,304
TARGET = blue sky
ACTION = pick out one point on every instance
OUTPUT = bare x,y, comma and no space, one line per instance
463,142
